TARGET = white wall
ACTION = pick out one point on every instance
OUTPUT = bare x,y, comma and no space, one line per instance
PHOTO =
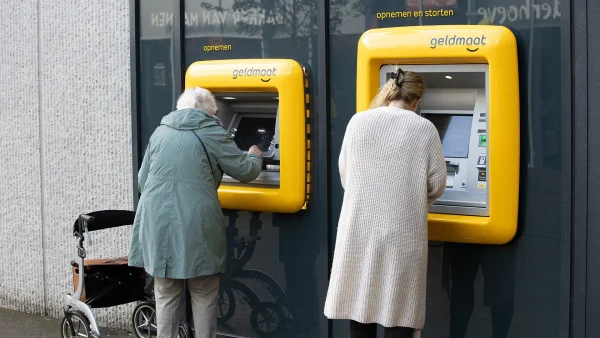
21,267
65,143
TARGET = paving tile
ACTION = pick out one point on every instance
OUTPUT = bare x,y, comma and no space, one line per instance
14,324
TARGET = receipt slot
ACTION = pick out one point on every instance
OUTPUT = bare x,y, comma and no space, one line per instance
472,98
262,102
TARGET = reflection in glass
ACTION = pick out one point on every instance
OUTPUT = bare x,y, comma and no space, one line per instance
270,313
234,29
156,76
493,265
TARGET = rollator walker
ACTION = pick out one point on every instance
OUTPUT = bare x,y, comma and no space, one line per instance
106,283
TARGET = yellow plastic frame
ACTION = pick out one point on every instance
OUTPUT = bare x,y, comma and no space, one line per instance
282,76
480,44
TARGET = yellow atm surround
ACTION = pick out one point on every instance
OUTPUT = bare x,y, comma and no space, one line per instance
286,79
494,48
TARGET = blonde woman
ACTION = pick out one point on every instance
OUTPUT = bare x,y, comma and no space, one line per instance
392,168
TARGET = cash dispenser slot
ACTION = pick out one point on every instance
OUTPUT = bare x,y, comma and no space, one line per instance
451,171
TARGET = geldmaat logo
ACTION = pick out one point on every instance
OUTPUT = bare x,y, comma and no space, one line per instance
471,43
265,74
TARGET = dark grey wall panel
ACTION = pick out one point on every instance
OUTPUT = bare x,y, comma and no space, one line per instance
593,230
579,169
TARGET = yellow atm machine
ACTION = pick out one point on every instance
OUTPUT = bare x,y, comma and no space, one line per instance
262,102
472,98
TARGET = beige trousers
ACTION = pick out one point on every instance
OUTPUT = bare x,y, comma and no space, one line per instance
204,292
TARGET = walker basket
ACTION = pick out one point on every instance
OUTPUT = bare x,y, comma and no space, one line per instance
110,282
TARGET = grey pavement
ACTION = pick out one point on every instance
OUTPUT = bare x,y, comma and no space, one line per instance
14,324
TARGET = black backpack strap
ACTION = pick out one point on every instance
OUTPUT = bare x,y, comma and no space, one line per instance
207,156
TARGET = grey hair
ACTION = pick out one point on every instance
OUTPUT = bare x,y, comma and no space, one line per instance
198,98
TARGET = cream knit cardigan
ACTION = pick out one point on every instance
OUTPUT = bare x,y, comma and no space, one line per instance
392,168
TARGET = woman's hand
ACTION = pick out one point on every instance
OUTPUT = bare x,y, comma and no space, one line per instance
255,151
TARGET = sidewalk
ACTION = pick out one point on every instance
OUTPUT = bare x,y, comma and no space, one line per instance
15,324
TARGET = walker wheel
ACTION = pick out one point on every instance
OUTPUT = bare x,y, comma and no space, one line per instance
143,320
79,326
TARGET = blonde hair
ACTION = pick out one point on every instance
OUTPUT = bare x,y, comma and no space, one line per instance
405,86
198,98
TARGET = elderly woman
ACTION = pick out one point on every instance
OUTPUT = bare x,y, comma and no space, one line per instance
392,168
179,230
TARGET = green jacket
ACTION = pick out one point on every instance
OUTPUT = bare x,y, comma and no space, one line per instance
179,229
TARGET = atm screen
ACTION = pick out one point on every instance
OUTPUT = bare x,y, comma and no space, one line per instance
257,131
455,132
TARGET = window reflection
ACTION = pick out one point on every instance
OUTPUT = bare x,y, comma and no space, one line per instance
156,76
234,29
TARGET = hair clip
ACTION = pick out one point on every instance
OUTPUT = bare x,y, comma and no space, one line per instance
396,77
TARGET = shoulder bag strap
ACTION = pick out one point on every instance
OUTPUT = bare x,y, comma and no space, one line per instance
207,156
